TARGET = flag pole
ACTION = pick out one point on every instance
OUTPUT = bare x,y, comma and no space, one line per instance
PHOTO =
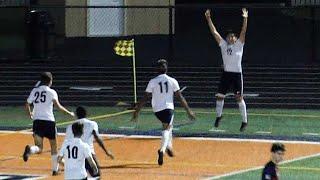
134,74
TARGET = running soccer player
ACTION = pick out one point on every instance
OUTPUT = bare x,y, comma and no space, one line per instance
90,131
271,171
76,153
162,89
231,80
43,97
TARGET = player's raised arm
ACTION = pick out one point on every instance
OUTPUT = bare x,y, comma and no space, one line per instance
63,109
244,25
140,104
101,144
213,29
185,104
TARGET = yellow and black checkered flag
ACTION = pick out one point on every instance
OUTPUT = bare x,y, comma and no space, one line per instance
124,47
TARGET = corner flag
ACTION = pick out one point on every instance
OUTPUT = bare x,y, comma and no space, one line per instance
124,47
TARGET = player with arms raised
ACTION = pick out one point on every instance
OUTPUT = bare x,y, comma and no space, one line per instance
231,50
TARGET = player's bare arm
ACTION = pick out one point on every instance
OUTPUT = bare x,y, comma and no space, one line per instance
244,25
93,165
101,144
185,105
28,109
61,108
140,104
213,29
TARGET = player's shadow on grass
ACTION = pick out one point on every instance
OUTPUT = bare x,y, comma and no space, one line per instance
132,166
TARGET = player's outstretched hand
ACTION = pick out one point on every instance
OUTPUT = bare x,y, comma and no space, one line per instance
72,114
208,13
244,12
109,153
191,115
135,116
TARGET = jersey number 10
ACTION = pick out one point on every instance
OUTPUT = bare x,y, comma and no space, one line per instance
73,152
166,84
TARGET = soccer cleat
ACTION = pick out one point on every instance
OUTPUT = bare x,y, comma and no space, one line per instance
26,153
243,126
218,119
169,152
160,157
55,173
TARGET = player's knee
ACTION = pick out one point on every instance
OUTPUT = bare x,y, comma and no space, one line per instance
166,126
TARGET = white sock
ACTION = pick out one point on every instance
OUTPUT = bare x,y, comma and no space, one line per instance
170,138
34,149
243,111
54,162
219,107
165,140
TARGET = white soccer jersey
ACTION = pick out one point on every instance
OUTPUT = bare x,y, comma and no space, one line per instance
42,99
232,55
162,88
75,152
87,136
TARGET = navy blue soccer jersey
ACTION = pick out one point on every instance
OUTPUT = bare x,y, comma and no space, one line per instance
270,171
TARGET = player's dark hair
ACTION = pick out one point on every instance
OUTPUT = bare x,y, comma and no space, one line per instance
77,129
162,66
45,78
229,32
277,147
81,112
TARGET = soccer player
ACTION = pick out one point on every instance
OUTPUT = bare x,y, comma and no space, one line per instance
75,153
271,171
43,97
162,89
231,80
90,131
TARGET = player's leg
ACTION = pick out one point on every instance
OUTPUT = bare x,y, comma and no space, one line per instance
165,118
38,141
239,98
89,168
222,90
51,134
169,149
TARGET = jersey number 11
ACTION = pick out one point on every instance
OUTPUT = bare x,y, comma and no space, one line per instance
166,84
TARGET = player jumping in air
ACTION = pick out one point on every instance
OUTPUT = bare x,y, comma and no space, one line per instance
231,80
162,89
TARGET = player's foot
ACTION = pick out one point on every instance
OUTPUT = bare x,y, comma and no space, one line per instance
26,153
243,126
217,123
55,173
160,157
169,152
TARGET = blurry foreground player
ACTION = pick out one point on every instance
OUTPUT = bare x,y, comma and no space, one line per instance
43,97
231,79
270,171
162,89
90,132
76,152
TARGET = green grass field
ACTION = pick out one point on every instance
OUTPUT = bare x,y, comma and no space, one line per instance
307,169
271,123
276,122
